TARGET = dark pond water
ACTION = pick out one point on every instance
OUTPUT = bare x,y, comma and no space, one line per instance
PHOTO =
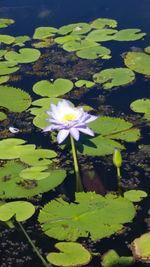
28,15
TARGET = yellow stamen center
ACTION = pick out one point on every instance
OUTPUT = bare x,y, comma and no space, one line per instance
69,117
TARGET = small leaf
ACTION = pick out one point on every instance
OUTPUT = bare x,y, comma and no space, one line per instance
71,254
142,106
94,52
6,39
25,55
44,32
8,67
101,35
22,100
57,88
103,23
141,248
85,83
6,22
75,28
135,195
22,210
129,35
138,62
112,259
114,77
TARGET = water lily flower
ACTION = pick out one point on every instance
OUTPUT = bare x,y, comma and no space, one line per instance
67,119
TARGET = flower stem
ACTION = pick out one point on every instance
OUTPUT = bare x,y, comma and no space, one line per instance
119,181
79,187
33,246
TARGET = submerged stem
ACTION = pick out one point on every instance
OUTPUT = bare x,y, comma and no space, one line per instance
79,187
33,246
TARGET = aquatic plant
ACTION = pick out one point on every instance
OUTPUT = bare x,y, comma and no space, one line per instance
68,120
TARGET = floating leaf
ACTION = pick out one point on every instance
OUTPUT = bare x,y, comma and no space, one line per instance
20,40
79,45
12,185
101,35
4,79
141,248
129,35
67,38
75,28
103,23
38,157
44,32
6,39
22,100
13,148
2,52
71,254
25,55
22,210
138,62
3,116
135,195
110,129
112,259
147,49
8,67
34,173
57,88
6,22
114,77
85,83
94,52
142,106
69,221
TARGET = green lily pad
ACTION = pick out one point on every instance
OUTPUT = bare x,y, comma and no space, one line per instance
75,28
71,254
6,39
101,35
34,173
3,116
44,32
79,45
25,55
57,88
8,67
94,52
135,195
129,35
64,39
2,52
85,83
138,62
114,77
20,40
22,99
22,210
38,157
112,259
13,186
147,49
141,248
142,106
4,79
103,23
6,22
13,148
69,221
110,130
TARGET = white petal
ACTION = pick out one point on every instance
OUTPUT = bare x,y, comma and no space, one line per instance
75,133
92,118
48,128
62,135
86,131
